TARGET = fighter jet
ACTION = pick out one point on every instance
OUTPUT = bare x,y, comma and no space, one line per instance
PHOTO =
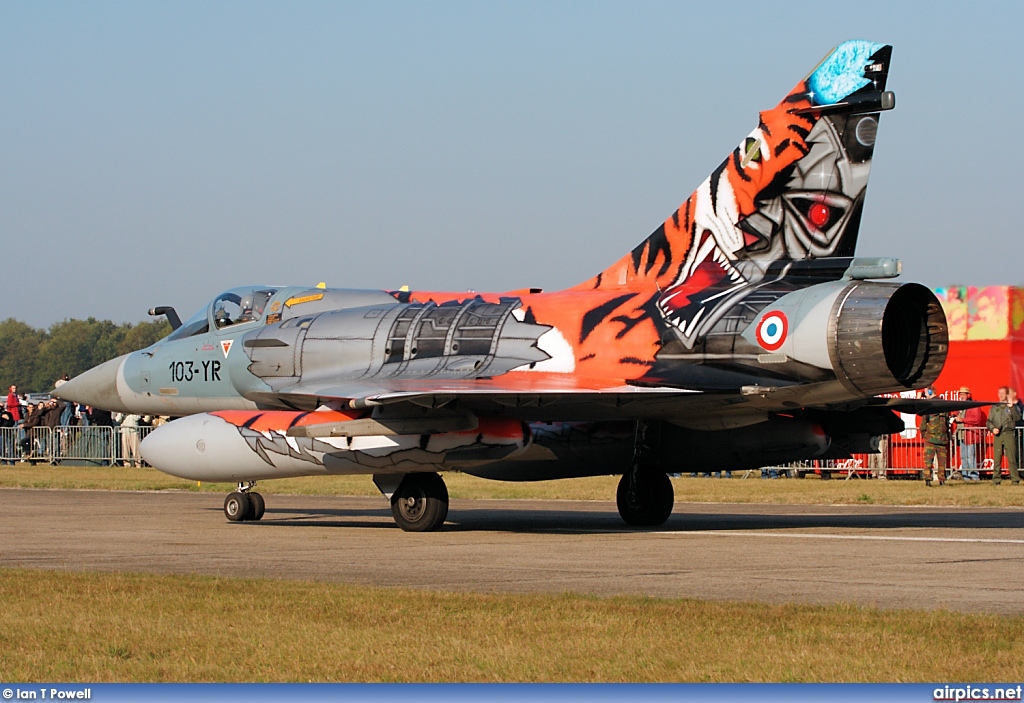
742,332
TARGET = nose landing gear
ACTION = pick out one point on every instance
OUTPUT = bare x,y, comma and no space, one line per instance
244,504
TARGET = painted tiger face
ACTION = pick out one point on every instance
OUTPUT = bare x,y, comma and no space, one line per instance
800,208
718,262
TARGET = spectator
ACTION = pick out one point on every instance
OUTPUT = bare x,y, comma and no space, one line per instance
69,408
130,439
934,432
1018,431
27,438
1012,399
99,418
7,441
53,411
972,438
1002,419
14,405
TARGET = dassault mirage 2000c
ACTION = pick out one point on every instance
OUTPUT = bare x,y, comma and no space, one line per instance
741,333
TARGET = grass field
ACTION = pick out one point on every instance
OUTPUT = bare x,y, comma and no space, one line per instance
698,490
60,626
133,627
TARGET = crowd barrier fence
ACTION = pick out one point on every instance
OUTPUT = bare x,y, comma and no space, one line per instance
969,455
89,445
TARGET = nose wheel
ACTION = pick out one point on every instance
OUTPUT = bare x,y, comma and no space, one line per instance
244,504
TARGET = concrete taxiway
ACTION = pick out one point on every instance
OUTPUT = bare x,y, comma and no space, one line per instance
967,559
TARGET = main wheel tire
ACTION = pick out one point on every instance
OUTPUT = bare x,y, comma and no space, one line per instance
259,506
649,504
420,503
237,507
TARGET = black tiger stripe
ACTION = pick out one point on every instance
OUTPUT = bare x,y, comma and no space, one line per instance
648,311
594,317
252,420
739,168
637,255
658,244
296,420
716,176
799,130
634,360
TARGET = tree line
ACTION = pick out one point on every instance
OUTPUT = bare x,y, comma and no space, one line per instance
34,358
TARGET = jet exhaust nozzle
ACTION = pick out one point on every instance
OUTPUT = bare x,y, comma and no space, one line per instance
886,337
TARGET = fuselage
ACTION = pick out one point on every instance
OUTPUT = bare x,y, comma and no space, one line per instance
252,347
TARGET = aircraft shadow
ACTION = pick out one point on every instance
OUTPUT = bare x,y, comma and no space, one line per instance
528,521
589,522
1001,520
337,517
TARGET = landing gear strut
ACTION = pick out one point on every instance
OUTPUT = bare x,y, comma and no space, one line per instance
419,503
645,496
244,504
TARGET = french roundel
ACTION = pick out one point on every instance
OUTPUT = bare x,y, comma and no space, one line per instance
772,330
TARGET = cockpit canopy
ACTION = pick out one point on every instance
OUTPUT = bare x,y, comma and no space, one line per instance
240,305
237,306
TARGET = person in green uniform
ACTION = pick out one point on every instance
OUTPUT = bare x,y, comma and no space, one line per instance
934,433
1002,419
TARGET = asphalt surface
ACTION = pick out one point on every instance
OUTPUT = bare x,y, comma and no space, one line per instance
969,559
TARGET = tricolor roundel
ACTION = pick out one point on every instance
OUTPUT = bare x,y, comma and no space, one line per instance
772,329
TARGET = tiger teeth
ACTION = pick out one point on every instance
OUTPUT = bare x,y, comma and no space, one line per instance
707,247
693,323
710,250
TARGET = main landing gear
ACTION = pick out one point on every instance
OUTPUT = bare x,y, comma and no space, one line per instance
645,496
419,502
244,504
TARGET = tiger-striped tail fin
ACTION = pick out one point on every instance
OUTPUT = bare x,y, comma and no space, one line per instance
792,189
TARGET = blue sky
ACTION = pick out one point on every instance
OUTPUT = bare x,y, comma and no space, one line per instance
157,153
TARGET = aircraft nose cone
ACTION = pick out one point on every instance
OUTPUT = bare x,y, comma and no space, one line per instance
96,387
